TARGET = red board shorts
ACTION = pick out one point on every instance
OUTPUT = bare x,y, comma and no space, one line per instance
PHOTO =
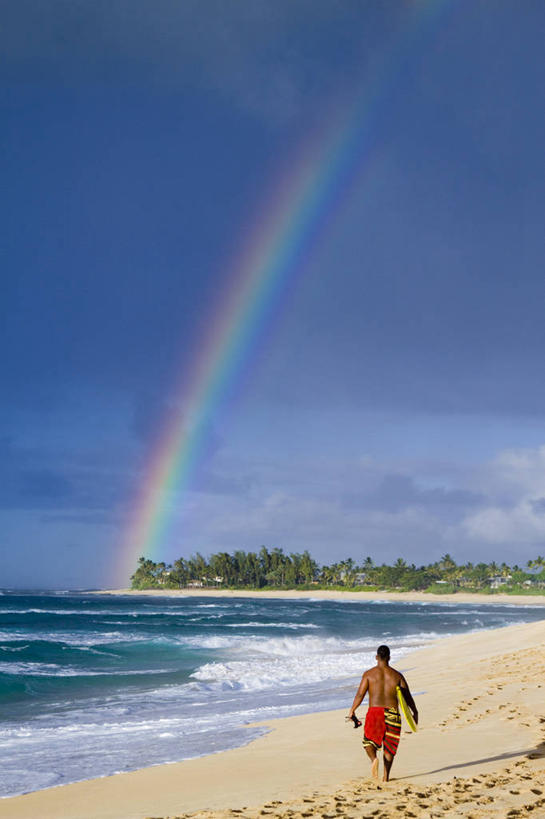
382,725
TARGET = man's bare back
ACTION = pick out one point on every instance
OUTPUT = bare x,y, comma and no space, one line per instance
380,683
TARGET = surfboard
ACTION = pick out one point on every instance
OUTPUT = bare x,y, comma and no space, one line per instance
405,710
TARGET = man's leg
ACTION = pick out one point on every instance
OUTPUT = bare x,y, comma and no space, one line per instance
391,739
372,754
388,760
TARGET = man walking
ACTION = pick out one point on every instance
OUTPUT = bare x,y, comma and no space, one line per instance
383,720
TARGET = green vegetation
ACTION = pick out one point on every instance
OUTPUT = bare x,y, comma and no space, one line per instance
276,570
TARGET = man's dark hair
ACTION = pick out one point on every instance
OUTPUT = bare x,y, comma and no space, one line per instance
383,652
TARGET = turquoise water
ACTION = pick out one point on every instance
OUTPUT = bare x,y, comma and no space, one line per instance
94,684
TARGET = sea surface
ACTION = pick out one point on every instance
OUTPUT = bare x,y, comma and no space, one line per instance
94,684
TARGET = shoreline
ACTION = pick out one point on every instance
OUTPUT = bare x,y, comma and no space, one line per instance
485,683
327,594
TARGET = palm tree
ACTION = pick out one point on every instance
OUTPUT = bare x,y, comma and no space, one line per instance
447,564
327,575
505,571
537,563
347,571
309,567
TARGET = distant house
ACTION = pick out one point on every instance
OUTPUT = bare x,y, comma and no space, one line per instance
499,580
537,584
195,584
360,578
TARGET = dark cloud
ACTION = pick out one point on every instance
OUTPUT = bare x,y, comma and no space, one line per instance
218,483
262,56
398,492
80,484
96,517
45,487
152,412
428,299
538,506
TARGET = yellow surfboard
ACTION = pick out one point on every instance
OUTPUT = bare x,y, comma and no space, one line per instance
405,710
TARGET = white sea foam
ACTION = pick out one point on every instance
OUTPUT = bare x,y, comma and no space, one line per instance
35,669
100,612
300,661
254,645
252,624
12,779
74,638
56,670
246,676
246,642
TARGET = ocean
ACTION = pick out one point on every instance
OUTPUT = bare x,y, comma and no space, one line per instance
95,684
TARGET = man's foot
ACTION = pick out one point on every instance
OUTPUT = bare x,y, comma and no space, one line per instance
374,768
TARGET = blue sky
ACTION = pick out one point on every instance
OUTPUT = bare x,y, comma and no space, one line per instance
394,402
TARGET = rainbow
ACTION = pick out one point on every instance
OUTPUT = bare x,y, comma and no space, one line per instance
277,247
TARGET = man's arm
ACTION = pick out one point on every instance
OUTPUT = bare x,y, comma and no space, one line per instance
408,697
360,694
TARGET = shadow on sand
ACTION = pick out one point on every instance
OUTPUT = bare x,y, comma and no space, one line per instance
533,753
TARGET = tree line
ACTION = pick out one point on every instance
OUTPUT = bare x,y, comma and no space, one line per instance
276,569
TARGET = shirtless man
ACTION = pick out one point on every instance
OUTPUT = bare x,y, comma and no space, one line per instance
383,721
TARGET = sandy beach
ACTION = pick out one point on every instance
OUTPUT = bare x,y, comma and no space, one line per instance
479,752
326,594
